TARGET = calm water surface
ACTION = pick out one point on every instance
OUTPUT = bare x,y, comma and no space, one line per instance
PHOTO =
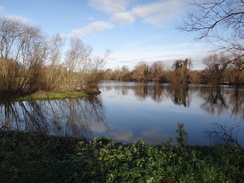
129,111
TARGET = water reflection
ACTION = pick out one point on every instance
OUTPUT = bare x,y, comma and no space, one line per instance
129,112
226,134
79,117
179,94
216,100
151,111
236,102
220,101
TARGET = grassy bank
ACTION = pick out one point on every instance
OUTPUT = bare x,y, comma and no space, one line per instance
29,157
42,96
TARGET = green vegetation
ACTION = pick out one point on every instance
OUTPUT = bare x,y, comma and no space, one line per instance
29,157
43,96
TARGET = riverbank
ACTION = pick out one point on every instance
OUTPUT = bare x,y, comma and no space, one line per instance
43,96
29,157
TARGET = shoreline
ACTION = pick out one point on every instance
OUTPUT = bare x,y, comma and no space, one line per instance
41,95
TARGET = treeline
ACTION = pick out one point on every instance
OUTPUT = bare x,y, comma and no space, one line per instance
31,61
220,69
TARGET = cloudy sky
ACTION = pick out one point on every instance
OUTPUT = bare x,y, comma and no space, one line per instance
134,30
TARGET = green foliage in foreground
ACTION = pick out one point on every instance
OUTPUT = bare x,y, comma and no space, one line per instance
28,157
42,96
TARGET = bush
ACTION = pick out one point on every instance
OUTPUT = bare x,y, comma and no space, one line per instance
28,157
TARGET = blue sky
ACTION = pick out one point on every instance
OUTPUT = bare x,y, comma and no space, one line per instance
134,30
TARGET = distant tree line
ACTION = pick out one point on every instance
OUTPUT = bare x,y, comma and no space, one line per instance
31,61
220,69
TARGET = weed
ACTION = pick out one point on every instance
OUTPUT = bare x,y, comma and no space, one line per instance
29,157
183,136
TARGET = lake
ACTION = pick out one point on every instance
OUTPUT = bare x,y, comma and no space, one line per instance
130,111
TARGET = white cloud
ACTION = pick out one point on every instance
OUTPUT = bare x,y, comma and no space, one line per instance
156,13
92,28
98,127
1,8
19,18
159,12
122,134
109,6
123,18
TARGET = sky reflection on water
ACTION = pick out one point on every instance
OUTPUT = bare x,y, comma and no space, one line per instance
128,112
152,112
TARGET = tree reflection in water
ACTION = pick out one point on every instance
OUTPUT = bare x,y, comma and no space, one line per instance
179,94
223,100
224,134
216,100
196,105
69,117
237,103
155,92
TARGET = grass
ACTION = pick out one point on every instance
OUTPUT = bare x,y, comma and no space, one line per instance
29,157
42,96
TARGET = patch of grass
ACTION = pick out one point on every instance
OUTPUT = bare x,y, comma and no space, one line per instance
29,157
40,96
43,96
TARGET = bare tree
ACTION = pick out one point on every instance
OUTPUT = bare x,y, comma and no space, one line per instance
77,60
82,66
157,69
235,74
30,62
124,74
78,56
54,75
23,50
220,20
94,73
141,72
181,71
217,65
